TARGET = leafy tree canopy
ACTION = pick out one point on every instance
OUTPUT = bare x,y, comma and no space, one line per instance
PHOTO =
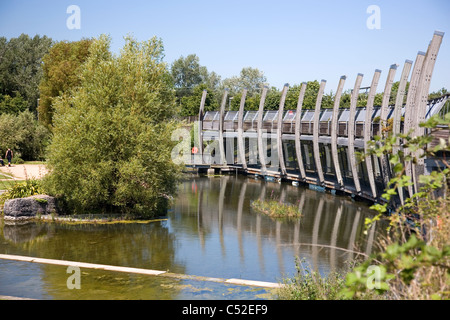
61,72
20,66
111,146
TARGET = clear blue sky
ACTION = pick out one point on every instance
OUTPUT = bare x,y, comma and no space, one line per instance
290,41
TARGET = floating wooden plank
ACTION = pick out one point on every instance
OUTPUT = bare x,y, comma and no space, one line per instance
334,124
316,133
280,131
241,145
351,132
368,130
261,150
298,123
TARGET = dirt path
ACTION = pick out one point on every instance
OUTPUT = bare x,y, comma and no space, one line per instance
24,171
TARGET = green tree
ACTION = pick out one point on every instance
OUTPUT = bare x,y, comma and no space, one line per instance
187,72
190,104
61,72
249,78
20,66
24,135
111,146
188,75
12,105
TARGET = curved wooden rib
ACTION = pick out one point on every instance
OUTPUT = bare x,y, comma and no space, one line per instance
280,129
316,133
422,101
201,114
396,125
298,119
223,160
424,82
387,95
261,150
368,130
424,85
351,132
334,124
410,108
383,121
399,101
240,140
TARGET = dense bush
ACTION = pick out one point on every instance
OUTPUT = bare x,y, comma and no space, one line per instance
111,146
24,135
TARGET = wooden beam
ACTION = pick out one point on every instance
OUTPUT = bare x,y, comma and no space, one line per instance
351,132
387,95
316,133
396,125
422,100
368,131
385,169
201,114
298,123
223,160
261,150
410,108
280,131
241,145
334,130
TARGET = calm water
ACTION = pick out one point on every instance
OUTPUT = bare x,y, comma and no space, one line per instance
210,231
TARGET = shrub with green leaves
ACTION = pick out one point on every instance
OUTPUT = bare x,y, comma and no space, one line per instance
415,260
111,146
21,190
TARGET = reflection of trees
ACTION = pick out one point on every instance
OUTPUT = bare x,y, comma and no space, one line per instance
149,246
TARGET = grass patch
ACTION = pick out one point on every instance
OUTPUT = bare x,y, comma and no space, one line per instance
276,209
35,162
4,185
309,284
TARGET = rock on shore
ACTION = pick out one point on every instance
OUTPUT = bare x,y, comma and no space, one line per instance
30,207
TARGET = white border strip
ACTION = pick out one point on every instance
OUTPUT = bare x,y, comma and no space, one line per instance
138,271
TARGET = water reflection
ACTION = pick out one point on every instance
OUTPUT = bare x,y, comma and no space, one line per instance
329,232
211,230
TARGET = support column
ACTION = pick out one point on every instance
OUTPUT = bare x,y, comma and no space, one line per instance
334,131
396,125
422,100
368,131
261,150
410,108
383,121
280,130
223,160
351,132
201,114
241,145
298,123
316,133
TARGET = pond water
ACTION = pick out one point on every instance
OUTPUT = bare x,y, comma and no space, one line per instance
210,231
